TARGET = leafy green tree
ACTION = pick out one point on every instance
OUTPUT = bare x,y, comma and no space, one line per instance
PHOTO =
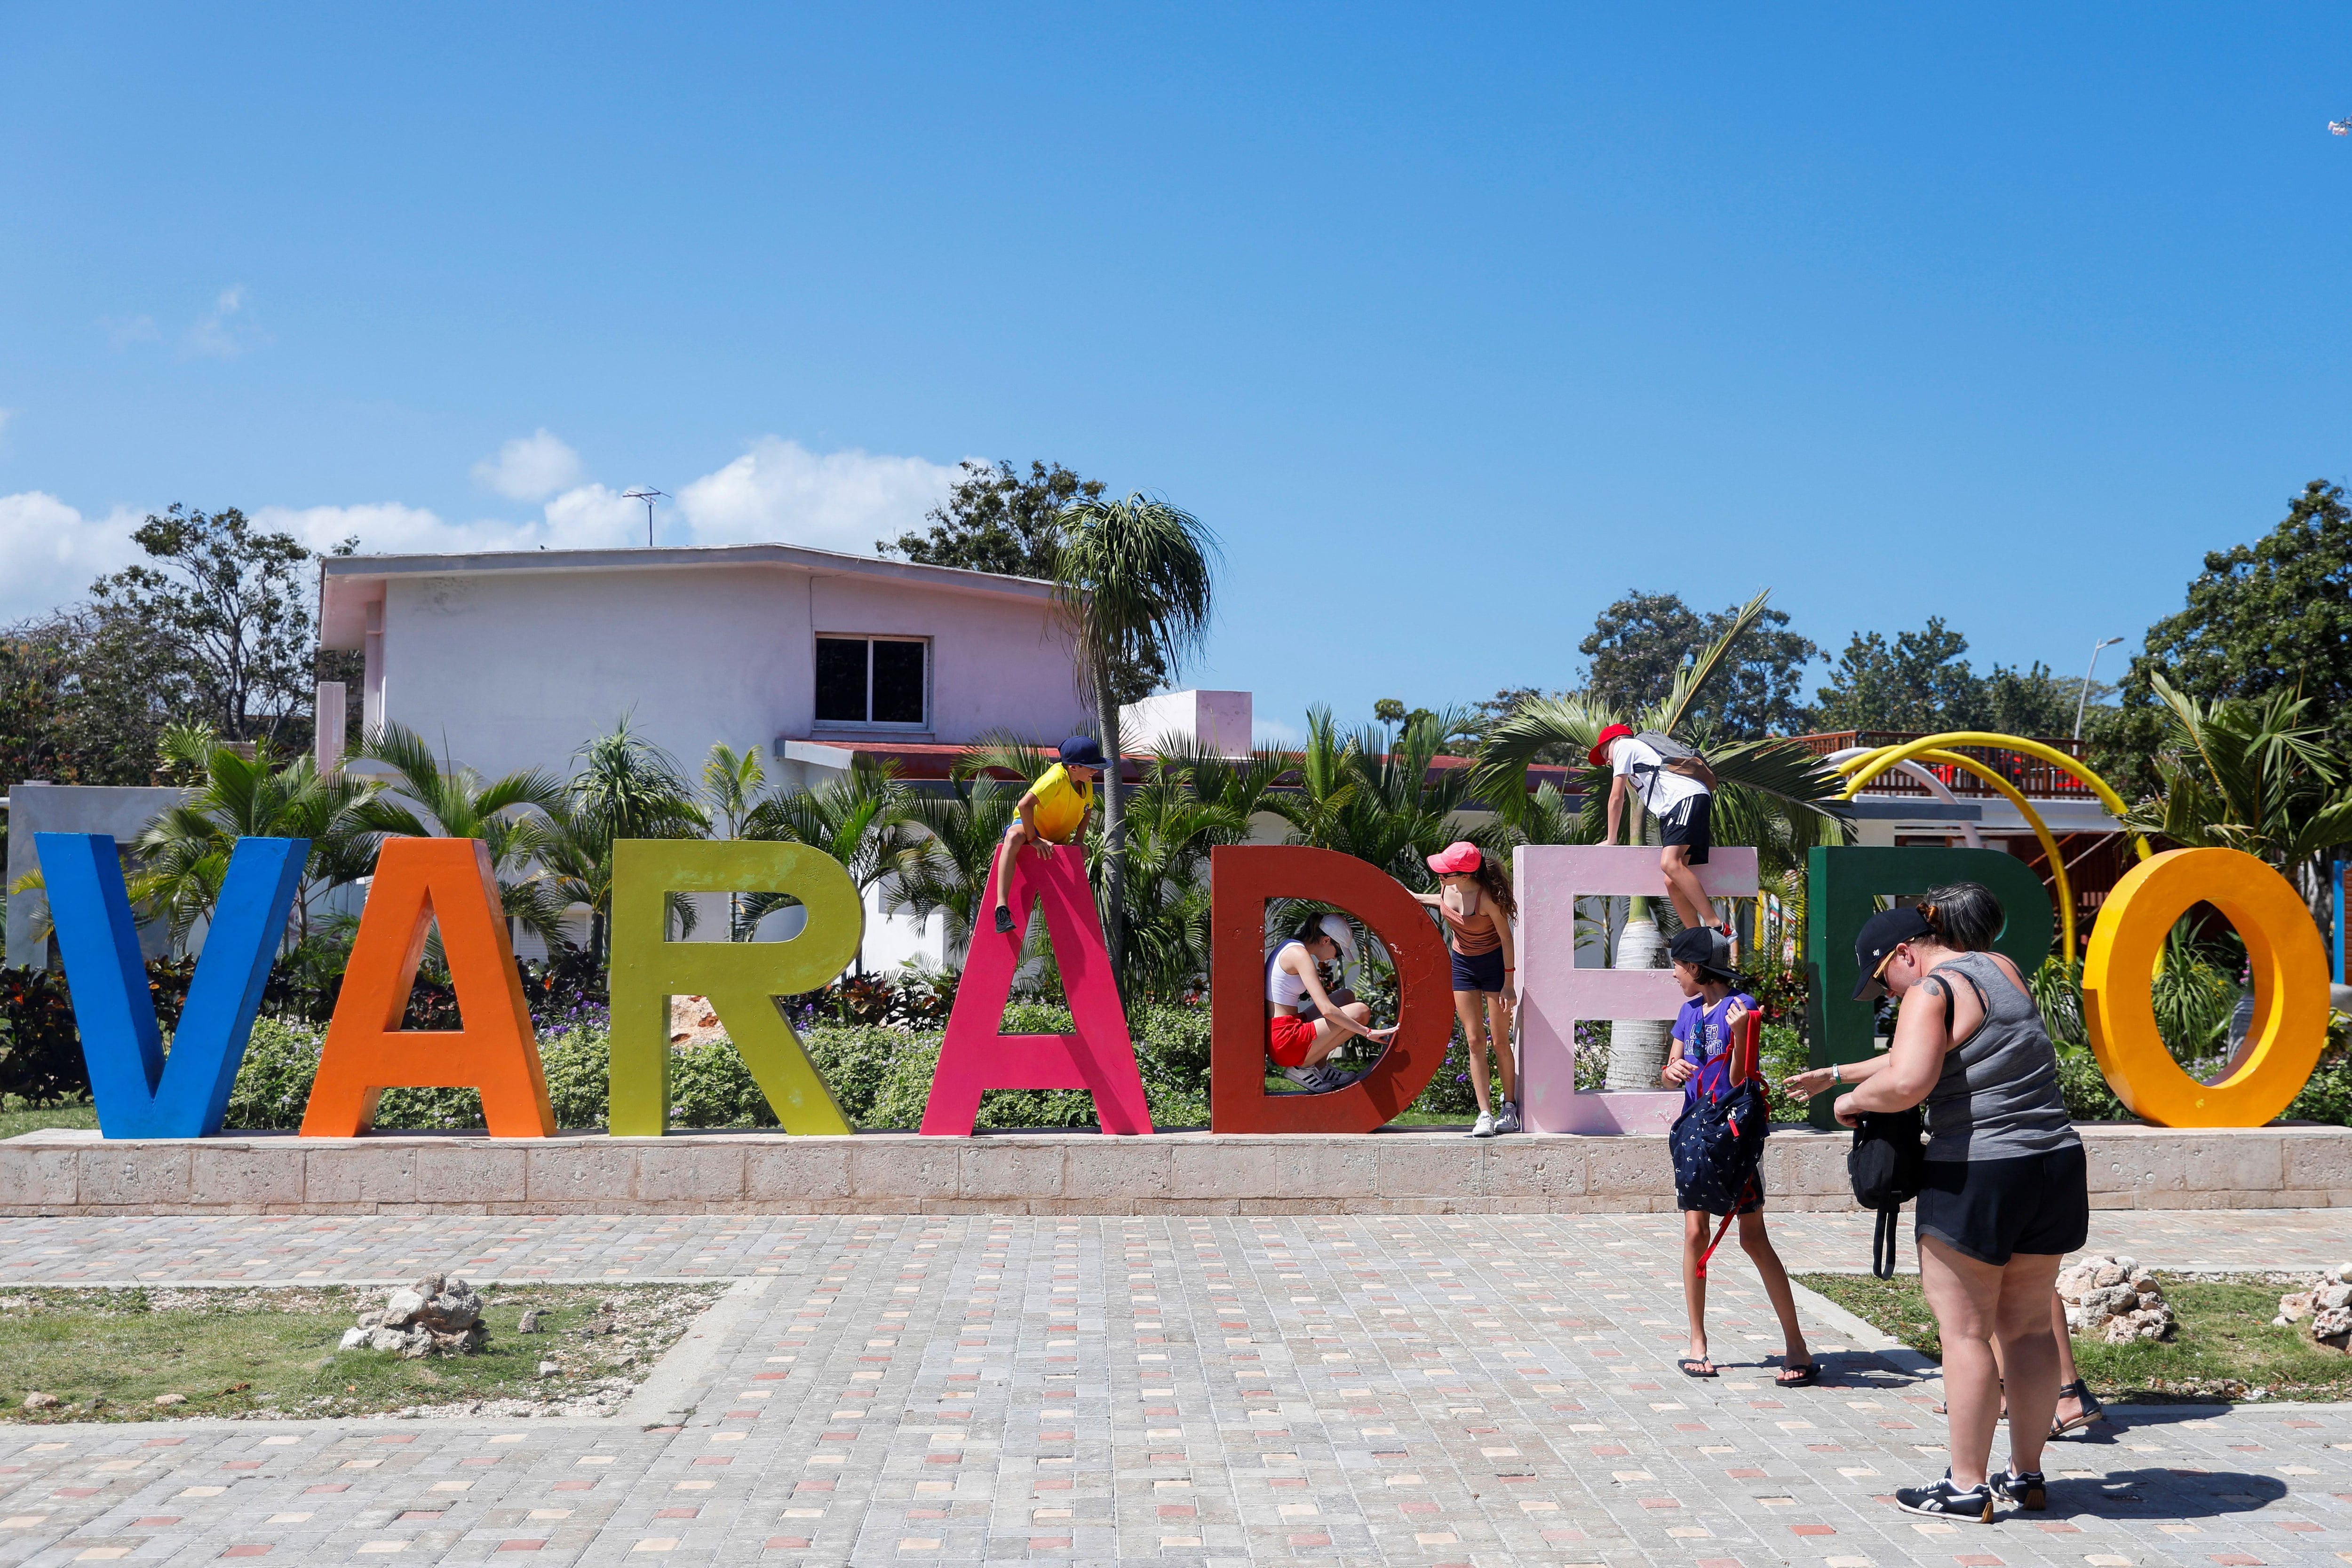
1136,578
1920,681
1639,644
233,603
2273,615
85,695
996,520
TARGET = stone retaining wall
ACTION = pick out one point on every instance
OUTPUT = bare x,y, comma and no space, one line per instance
1405,1172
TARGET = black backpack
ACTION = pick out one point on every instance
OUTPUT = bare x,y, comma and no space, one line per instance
1887,1165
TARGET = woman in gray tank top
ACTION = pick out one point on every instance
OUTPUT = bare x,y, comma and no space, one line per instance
2005,1197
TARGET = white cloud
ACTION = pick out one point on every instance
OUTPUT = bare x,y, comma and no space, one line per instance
530,468
224,332
777,491
50,553
780,492
121,331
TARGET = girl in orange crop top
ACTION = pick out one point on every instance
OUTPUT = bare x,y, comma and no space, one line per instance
1475,901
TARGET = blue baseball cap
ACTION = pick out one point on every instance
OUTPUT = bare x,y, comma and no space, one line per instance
1083,751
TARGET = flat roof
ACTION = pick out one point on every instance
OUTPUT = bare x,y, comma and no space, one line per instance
348,584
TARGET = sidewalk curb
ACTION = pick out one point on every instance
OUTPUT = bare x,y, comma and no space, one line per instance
1887,1348
668,1394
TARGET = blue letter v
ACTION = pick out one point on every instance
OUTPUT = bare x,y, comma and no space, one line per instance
138,1093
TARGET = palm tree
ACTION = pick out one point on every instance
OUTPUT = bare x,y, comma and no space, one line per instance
432,796
2252,774
1381,803
946,867
731,782
626,787
1135,578
862,819
1191,801
1775,794
184,851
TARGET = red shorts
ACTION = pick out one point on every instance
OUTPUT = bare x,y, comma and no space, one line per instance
1287,1040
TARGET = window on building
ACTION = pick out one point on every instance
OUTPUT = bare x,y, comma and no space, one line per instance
872,680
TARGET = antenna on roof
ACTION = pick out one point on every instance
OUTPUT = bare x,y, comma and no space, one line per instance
647,497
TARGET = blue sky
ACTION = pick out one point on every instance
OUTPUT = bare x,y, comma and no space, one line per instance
1454,327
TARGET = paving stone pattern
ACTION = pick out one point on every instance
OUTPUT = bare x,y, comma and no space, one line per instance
392,1250
1415,1389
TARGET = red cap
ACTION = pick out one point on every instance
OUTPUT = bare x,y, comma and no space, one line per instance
1600,752
1457,859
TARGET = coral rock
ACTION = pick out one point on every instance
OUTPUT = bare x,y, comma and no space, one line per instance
36,1400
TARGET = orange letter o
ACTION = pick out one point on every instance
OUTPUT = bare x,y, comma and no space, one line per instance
2284,951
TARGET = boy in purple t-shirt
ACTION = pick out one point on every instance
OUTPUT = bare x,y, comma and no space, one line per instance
1702,1059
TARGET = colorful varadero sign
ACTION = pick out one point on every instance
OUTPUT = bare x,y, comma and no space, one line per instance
144,1092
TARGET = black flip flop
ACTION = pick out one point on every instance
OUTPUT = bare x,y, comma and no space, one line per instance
1691,1363
1806,1375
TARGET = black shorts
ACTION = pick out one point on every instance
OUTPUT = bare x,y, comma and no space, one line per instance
1691,824
1477,972
1988,1210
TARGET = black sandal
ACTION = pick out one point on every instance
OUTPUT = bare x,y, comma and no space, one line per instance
2093,1411
1691,1365
1806,1375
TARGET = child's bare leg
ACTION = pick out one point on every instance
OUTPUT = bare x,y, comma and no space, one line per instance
1694,1235
1758,1248
1690,900
1473,1036
1015,839
1498,1022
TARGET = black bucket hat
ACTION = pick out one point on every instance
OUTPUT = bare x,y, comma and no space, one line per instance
1881,934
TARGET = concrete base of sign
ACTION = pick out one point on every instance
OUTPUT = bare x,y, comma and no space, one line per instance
1416,1171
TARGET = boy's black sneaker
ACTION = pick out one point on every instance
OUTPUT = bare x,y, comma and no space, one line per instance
1945,1501
2028,1491
1004,920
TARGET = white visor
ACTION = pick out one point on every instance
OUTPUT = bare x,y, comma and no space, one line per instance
1336,928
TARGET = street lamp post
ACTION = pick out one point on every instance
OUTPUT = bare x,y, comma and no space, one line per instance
2083,700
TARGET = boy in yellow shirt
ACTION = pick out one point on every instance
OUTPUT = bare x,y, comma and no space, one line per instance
1053,811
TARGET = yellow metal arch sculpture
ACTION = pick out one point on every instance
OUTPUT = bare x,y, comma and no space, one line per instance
1887,756
2065,893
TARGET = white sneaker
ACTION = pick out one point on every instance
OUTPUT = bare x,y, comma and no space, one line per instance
1484,1127
1508,1121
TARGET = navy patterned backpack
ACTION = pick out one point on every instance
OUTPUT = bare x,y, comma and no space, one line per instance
1718,1142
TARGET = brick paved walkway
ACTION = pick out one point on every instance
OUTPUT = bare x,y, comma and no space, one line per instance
1422,1390
394,1249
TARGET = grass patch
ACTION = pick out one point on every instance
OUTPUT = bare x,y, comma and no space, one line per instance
17,1117
108,1354
2225,1347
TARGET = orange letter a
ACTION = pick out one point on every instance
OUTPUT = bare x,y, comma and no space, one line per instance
417,881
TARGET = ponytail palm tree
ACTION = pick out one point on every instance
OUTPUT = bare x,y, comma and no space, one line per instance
429,797
184,851
626,787
1135,578
861,820
1774,794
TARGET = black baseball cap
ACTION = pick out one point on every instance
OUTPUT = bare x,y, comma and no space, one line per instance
1704,950
1082,750
1881,934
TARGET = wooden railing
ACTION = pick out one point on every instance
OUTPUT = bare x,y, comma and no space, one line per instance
2034,777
